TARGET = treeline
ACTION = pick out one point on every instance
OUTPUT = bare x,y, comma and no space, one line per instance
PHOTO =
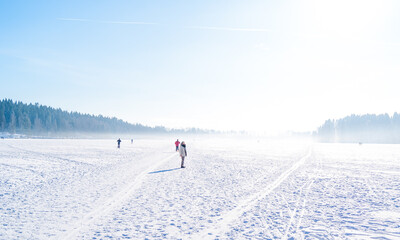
369,128
18,117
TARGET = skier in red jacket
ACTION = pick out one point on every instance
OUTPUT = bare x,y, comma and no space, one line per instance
177,144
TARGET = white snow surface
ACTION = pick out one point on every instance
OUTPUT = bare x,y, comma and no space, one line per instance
231,188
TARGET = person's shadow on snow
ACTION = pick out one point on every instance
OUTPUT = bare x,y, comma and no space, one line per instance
167,170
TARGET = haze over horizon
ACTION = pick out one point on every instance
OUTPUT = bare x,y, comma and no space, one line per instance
270,66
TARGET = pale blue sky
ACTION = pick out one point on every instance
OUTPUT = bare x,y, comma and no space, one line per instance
243,65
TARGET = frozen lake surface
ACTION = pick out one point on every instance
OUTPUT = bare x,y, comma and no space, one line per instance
231,189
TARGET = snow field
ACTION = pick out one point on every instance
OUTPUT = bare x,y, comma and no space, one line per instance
343,191
47,185
186,204
231,189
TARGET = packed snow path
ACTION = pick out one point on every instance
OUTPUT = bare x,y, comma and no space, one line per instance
231,189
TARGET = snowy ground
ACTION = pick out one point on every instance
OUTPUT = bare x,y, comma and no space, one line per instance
231,189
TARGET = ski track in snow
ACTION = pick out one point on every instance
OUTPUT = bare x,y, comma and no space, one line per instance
299,210
116,201
231,189
303,208
223,224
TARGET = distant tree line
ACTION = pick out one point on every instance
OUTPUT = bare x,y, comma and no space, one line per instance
369,128
18,117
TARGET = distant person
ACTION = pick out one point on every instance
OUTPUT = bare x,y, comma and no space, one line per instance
131,141
119,142
177,144
183,153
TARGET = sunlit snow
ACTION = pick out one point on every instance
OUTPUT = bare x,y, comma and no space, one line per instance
231,188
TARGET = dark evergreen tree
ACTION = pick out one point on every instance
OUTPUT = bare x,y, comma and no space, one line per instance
12,123
3,121
369,128
17,117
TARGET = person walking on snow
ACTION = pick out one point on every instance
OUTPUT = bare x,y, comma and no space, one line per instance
177,144
183,153
119,142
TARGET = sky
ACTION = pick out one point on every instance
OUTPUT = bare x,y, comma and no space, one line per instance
255,65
